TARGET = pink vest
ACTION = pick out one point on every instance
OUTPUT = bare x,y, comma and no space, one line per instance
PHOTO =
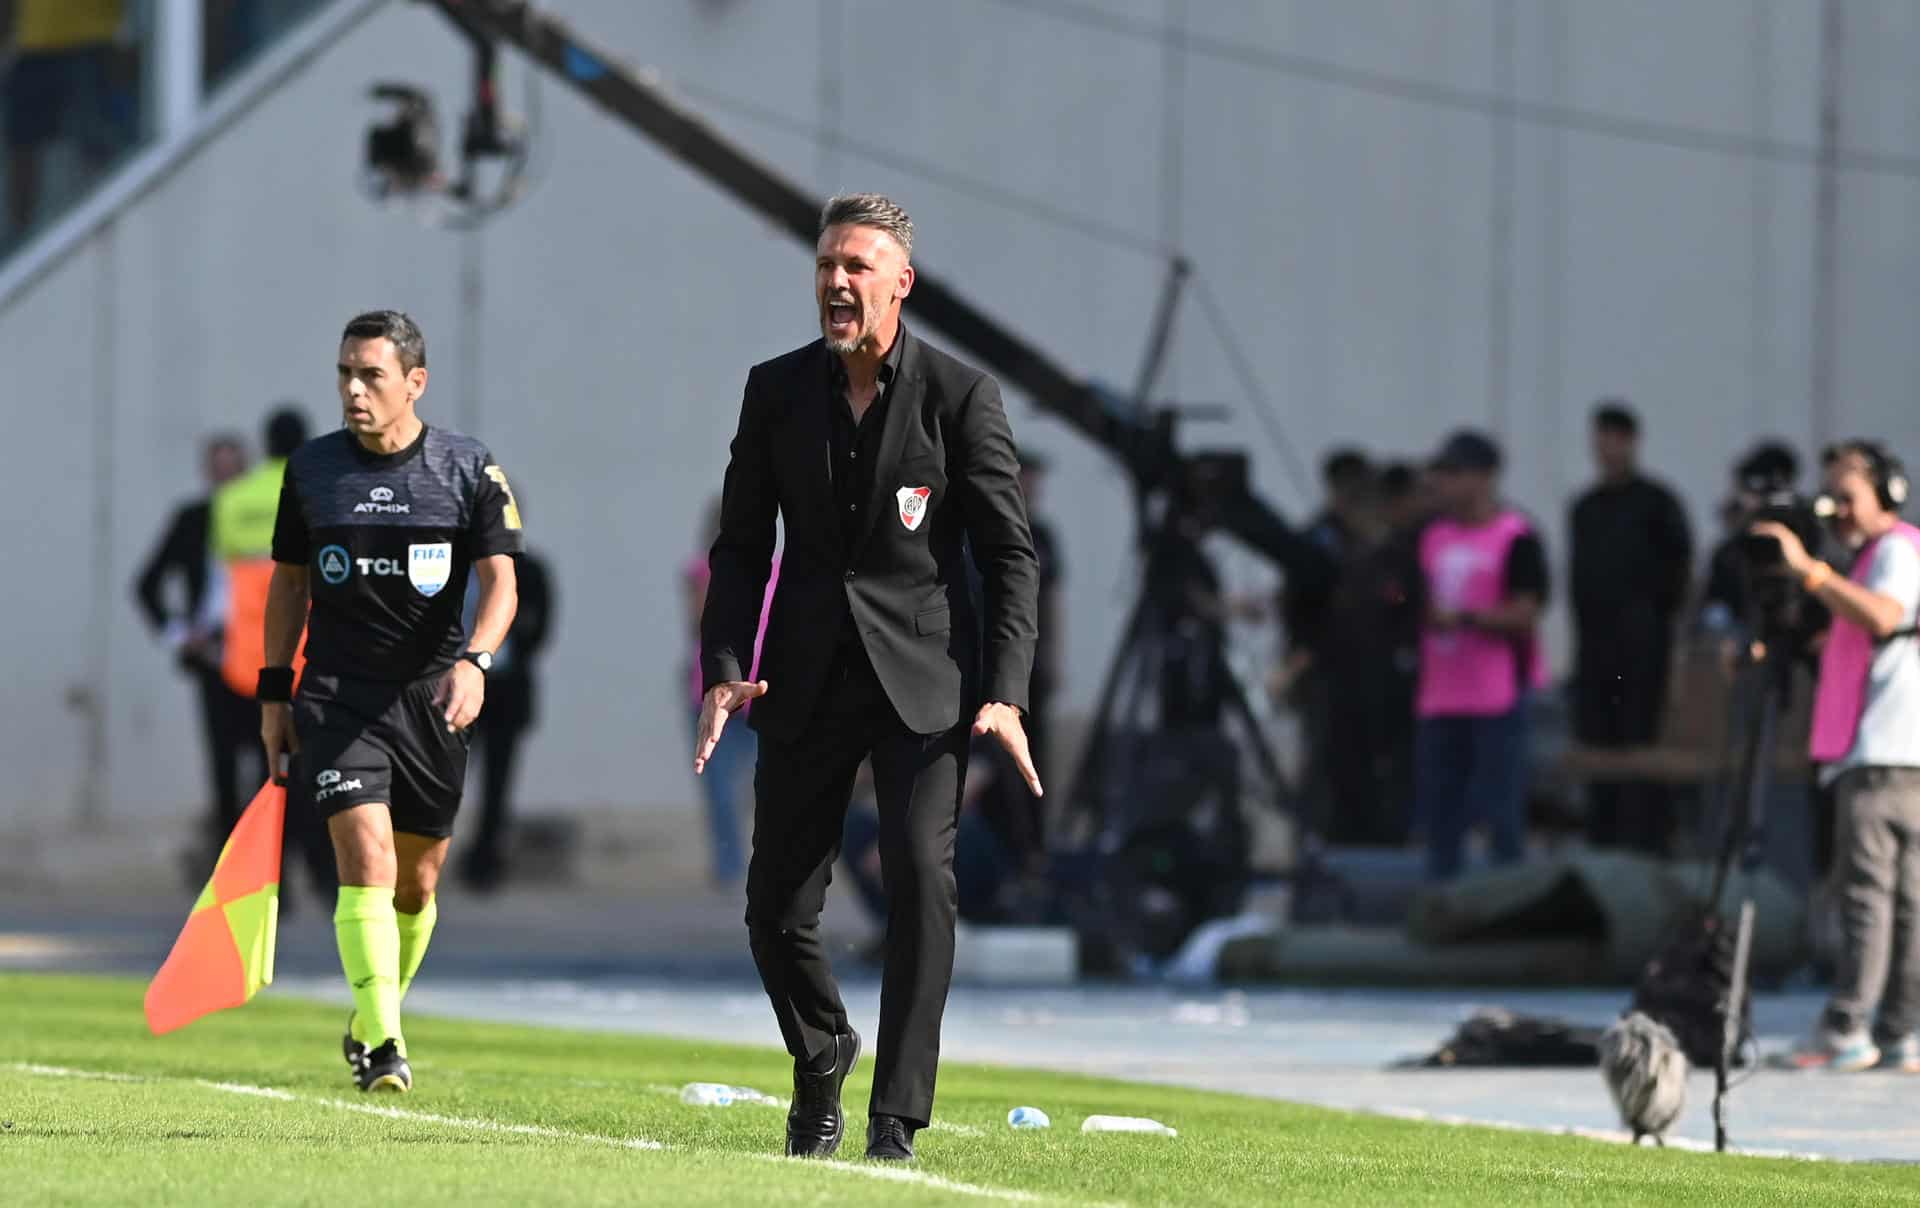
1842,694
1464,672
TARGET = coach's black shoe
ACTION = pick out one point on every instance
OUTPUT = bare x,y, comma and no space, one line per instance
353,1050
889,1139
814,1123
385,1070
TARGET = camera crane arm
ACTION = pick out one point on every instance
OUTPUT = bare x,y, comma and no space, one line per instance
1140,439
1145,450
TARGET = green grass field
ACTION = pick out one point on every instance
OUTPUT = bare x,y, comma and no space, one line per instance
254,1107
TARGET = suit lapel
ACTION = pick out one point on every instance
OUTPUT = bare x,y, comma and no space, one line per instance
903,408
813,437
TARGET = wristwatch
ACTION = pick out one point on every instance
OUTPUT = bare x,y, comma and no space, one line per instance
482,659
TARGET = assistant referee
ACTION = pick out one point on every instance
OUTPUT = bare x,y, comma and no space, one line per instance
378,526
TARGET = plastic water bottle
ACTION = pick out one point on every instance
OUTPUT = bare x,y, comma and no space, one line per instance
1028,1117
1127,1124
715,1094
746,1094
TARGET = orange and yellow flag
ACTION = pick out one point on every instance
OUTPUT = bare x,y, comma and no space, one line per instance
225,952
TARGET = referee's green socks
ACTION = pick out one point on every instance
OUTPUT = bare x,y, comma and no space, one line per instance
368,931
415,931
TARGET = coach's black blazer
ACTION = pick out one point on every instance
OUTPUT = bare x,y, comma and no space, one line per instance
944,430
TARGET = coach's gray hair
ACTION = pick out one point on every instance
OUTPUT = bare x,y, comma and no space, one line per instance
869,210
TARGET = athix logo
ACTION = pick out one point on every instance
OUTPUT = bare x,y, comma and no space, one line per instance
380,501
330,783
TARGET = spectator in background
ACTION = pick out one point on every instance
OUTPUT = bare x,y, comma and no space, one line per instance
192,624
730,768
1484,584
1632,554
240,536
1347,477
1342,672
1005,803
1406,506
1406,499
510,712
62,73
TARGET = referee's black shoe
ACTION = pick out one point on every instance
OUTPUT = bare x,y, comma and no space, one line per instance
889,1139
814,1123
385,1070
353,1050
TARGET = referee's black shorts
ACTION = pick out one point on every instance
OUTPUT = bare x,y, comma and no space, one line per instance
365,741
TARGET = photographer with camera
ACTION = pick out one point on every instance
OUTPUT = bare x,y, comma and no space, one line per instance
1866,731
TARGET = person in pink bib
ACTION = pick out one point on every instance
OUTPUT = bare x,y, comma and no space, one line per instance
1866,737
1484,579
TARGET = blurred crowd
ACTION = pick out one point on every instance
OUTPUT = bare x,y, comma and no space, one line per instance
76,81
1416,671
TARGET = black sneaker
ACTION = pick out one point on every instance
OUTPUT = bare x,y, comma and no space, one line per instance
889,1139
385,1070
353,1050
814,1123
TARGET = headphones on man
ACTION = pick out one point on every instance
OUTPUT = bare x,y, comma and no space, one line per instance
1884,470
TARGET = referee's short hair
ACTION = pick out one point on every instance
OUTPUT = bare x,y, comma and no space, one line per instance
408,344
869,210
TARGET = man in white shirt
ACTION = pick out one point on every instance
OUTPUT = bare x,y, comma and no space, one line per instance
1866,733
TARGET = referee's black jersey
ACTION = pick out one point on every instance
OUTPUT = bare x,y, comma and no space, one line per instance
388,540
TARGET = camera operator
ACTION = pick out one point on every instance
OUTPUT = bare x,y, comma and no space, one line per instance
1770,470
1866,731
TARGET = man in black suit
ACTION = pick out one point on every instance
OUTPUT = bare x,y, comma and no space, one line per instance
884,457
191,624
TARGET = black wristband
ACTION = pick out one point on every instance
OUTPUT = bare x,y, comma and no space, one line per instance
276,685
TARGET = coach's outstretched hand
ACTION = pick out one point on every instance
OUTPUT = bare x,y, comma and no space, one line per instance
1003,722
277,736
722,701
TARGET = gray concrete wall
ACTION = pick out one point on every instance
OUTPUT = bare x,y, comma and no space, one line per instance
1409,215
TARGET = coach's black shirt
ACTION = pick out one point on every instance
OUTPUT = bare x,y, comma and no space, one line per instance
388,540
855,448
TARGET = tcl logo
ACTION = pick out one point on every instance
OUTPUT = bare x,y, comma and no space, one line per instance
380,566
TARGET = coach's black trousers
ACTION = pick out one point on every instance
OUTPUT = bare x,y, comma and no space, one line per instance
800,805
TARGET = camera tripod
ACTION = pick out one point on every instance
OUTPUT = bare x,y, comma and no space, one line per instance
1763,690
1119,796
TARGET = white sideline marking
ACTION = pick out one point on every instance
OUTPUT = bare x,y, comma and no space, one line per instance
885,1173
965,1130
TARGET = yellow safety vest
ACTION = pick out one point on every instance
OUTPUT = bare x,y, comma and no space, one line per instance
240,534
